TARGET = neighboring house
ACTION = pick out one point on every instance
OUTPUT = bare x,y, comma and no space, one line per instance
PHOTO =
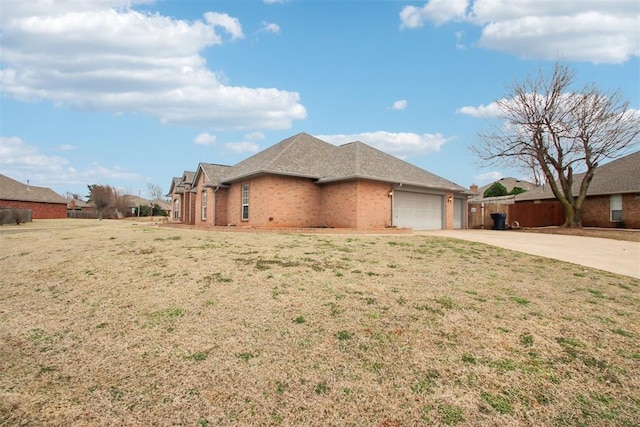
305,182
79,205
508,183
613,198
165,206
182,207
77,208
481,208
43,202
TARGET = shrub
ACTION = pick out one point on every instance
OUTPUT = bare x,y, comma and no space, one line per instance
18,216
496,190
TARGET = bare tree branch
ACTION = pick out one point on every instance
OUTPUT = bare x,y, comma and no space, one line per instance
560,134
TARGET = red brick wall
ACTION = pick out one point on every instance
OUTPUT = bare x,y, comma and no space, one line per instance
339,205
181,208
197,202
448,211
276,201
40,210
596,211
220,205
374,204
281,201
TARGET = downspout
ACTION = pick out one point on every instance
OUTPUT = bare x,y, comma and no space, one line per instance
215,202
391,193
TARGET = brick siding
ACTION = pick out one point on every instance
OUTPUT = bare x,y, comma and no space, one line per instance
596,211
294,202
40,210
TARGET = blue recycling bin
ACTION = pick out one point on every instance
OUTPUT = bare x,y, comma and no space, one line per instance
499,220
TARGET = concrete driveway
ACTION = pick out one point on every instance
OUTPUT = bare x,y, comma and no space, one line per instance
616,256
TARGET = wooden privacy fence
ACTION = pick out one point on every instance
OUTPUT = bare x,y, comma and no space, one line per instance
529,214
526,214
480,213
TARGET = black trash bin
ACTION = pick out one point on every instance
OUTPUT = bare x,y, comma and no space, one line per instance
499,220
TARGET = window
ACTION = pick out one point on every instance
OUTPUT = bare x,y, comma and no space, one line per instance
245,202
616,207
176,209
204,205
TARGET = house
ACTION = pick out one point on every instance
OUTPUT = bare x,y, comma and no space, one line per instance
613,198
79,205
304,182
509,184
180,194
78,208
481,208
43,202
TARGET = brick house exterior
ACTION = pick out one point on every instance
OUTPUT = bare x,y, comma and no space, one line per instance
180,194
43,202
304,182
613,198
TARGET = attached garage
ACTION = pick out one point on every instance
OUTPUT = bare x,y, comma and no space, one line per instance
420,211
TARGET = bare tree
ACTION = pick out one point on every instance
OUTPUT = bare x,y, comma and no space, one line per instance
560,135
103,196
154,191
121,200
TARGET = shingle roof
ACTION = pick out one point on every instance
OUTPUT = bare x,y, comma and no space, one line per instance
509,183
179,183
300,155
10,189
215,173
616,177
304,155
187,177
359,160
175,181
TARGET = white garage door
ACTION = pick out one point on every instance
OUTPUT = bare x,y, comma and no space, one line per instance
417,210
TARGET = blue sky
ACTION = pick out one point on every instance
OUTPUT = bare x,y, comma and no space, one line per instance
130,92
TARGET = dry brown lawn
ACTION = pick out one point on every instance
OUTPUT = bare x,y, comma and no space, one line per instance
121,323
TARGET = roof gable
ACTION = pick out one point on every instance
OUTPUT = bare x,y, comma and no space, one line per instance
214,173
10,189
359,160
300,155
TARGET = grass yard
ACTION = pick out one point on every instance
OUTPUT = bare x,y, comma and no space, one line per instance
121,323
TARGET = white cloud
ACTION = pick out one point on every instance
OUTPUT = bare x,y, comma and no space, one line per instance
436,11
482,111
274,1
270,27
487,177
67,147
243,147
15,154
205,139
230,24
104,55
254,136
399,144
598,31
22,161
399,105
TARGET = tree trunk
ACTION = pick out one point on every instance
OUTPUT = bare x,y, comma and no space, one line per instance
571,215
